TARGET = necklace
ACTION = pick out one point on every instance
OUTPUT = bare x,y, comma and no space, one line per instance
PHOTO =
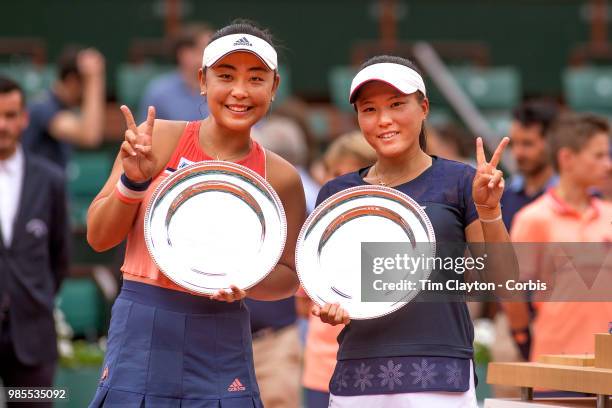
381,182
231,157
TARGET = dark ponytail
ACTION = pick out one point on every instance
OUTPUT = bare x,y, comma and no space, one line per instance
423,137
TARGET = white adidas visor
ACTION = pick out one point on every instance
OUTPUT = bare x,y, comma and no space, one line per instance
240,42
404,79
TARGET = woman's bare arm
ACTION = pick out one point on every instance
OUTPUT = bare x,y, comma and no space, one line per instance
109,220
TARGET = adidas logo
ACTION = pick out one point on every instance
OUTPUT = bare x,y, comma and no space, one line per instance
184,163
243,42
236,386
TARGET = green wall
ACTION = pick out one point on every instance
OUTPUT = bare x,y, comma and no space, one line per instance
535,35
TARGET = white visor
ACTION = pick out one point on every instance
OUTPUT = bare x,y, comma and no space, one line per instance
239,42
404,79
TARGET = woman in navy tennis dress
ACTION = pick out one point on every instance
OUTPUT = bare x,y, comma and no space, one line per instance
168,347
421,354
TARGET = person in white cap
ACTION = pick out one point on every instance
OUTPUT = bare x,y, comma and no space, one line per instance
167,346
419,355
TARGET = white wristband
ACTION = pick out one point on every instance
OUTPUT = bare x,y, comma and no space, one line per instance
499,217
130,192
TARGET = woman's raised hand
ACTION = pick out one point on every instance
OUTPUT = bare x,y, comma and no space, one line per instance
488,184
136,150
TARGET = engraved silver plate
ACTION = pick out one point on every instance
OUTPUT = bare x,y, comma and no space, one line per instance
214,224
328,251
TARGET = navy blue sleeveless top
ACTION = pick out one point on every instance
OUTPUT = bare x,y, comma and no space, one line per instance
433,329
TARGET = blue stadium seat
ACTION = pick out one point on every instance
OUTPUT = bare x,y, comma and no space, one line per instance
32,78
132,80
589,89
284,90
497,88
340,78
87,172
83,305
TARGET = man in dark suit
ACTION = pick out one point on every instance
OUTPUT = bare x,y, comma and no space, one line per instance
33,251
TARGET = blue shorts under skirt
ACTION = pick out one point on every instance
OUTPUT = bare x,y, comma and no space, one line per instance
169,349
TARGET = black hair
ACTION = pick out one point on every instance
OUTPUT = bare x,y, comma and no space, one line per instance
7,85
393,59
188,37
244,26
542,112
67,63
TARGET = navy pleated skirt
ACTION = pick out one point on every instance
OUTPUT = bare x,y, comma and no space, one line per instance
169,349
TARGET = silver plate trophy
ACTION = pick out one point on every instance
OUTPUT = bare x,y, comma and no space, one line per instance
328,252
214,224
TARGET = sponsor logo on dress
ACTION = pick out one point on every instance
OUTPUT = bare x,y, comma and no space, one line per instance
184,163
236,386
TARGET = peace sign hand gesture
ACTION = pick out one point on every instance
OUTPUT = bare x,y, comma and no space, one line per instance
488,184
136,151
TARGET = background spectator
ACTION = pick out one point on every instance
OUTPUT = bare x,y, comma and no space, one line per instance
55,126
579,146
176,95
530,123
33,251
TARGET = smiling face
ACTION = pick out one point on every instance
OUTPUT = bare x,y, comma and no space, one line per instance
239,88
390,120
